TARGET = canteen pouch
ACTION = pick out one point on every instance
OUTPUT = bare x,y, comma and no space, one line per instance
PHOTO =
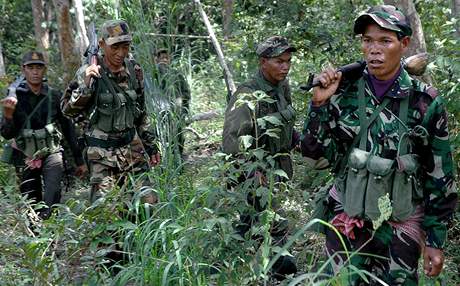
7,155
320,210
54,137
379,183
405,187
356,182
40,139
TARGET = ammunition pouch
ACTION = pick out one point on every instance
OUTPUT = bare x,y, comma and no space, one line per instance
40,142
369,177
116,109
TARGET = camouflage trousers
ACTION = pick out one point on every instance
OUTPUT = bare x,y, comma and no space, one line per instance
110,167
389,254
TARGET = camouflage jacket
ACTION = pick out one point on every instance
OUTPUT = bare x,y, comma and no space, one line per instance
239,120
329,131
77,89
27,102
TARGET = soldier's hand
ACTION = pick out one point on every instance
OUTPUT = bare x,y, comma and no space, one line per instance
81,171
155,159
91,71
433,260
329,79
9,105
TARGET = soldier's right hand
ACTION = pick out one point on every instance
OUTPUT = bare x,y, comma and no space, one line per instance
9,105
91,71
329,79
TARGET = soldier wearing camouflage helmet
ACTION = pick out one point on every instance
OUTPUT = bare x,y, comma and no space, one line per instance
118,137
275,55
385,136
33,119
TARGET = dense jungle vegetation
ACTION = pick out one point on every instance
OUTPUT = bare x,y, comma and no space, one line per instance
188,238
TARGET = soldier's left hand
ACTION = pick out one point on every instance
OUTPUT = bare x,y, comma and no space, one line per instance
81,171
433,260
155,159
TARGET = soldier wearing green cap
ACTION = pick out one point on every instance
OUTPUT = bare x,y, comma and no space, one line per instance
175,90
118,137
33,120
271,79
385,137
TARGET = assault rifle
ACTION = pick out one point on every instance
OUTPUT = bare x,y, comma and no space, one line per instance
414,65
93,48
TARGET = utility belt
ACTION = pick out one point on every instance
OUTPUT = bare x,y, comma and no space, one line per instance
38,143
118,142
368,177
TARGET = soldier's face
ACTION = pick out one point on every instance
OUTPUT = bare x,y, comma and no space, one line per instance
163,58
34,73
115,54
276,69
382,51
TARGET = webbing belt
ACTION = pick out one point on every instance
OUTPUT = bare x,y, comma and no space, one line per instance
124,140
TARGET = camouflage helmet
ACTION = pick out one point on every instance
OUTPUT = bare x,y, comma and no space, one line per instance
273,47
115,31
387,17
33,57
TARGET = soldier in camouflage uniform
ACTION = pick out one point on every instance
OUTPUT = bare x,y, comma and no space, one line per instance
118,138
274,64
385,136
175,88
33,119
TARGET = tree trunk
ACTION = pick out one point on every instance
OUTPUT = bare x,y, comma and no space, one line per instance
41,34
456,14
2,64
231,88
66,40
81,28
227,18
417,44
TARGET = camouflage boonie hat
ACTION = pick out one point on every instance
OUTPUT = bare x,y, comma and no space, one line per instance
274,47
33,57
115,31
387,17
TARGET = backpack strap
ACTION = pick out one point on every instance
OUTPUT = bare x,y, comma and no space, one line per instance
27,123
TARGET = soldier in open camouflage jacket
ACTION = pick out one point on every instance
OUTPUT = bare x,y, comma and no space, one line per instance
118,139
407,139
274,65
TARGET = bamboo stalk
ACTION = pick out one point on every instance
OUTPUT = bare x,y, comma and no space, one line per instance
179,36
220,55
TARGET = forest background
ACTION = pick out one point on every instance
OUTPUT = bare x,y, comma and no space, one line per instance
188,238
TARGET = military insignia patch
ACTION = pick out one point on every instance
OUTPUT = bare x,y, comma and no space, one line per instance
35,56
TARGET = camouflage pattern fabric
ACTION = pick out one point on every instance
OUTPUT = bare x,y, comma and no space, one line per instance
330,129
239,122
397,253
108,165
274,47
387,17
115,31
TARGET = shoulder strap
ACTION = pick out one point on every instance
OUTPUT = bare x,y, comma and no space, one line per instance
27,123
365,122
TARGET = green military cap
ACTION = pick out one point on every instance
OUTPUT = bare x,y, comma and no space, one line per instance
33,57
115,31
274,47
387,17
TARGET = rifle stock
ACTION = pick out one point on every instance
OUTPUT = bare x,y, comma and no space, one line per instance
414,65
